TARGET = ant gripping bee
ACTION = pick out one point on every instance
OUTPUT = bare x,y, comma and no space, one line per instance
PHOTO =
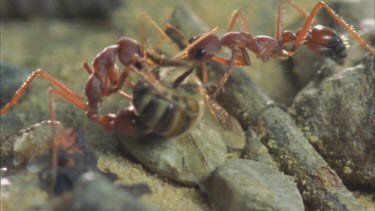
319,39
156,111
177,107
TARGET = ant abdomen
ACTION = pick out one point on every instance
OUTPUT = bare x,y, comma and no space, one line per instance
327,42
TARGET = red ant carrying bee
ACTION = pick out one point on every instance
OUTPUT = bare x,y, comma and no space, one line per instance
150,98
106,78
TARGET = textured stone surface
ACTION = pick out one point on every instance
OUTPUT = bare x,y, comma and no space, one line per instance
337,116
94,192
249,185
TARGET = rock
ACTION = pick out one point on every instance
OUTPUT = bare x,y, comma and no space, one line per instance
255,150
94,192
34,142
28,144
74,157
249,185
337,116
188,159
20,190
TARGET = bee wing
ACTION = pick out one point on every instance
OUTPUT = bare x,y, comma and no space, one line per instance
232,131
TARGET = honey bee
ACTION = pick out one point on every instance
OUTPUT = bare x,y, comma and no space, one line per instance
195,126
165,110
190,101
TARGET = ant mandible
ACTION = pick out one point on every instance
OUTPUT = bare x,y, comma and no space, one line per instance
319,39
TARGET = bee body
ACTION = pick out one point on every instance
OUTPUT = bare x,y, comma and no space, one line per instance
165,110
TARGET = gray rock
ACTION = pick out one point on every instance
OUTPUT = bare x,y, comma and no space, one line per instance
20,190
94,192
249,185
337,116
34,142
255,150
29,144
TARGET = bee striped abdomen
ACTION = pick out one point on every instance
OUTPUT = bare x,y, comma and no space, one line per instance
188,116
164,111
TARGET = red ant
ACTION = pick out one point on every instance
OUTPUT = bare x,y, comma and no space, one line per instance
319,39
105,77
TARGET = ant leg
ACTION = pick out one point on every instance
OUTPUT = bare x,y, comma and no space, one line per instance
122,79
225,76
279,18
303,12
238,16
120,83
204,73
176,35
80,103
74,98
236,63
305,29
145,17
87,68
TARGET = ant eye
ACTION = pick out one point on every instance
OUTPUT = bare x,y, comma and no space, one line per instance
200,53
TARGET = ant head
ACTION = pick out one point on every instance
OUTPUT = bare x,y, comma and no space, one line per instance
129,52
203,47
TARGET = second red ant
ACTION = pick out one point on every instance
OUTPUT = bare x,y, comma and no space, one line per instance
320,39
